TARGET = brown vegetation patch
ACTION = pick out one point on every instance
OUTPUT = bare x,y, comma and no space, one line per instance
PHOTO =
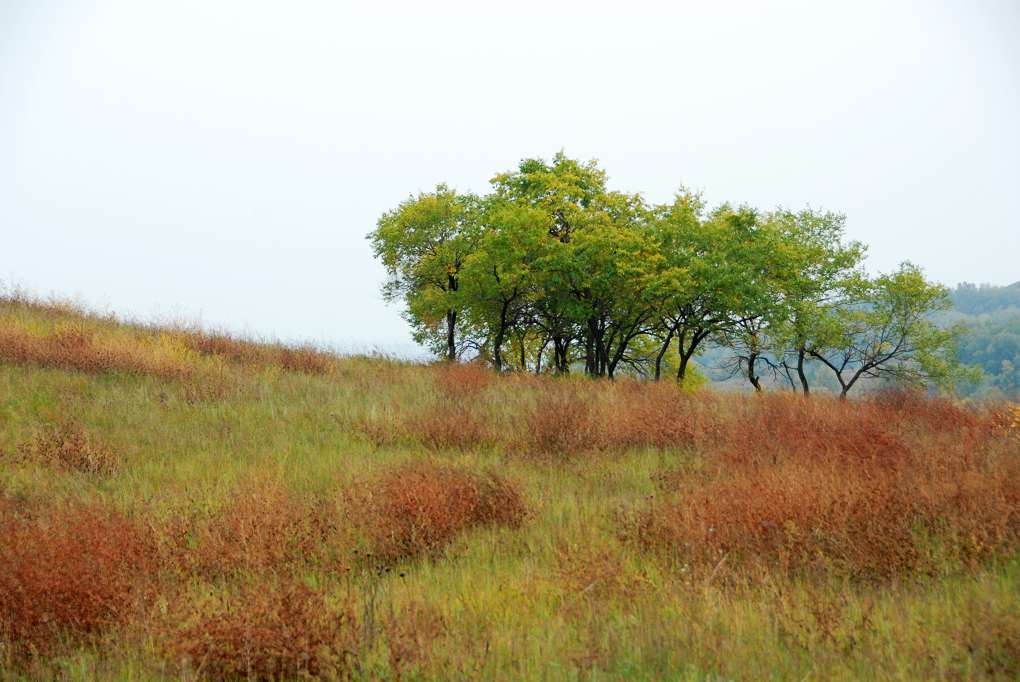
411,633
69,446
253,354
266,526
418,508
450,427
72,571
844,510
266,632
461,380
562,422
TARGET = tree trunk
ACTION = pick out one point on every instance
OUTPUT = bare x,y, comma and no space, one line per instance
800,371
451,344
751,361
497,344
538,358
681,372
662,352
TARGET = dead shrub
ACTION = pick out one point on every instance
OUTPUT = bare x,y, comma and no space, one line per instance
69,446
786,428
305,359
418,508
72,571
253,354
265,632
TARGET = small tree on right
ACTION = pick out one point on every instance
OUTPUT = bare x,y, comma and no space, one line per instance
884,329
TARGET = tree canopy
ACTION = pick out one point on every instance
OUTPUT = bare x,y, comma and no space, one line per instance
552,271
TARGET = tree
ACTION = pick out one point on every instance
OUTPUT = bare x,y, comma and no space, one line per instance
820,269
887,332
424,243
708,274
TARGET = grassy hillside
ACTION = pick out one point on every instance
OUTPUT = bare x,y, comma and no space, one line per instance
178,504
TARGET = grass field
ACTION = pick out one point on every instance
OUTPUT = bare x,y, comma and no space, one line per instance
176,504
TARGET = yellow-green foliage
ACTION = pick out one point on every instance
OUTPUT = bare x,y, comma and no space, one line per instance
299,513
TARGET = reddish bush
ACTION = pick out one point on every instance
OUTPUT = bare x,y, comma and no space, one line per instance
305,359
70,447
250,353
267,632
74,571
418,508
786,428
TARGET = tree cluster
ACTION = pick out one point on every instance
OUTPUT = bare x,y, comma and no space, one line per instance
554,272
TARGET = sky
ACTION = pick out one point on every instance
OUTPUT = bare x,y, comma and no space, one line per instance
221,162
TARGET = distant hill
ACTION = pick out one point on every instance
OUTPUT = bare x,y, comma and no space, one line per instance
975,299
992,314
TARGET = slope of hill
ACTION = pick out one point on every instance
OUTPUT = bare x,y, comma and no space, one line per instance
181,504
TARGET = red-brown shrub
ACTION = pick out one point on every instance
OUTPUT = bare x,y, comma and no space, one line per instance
780,428
418,508
660,414
72,571
250,353
266,632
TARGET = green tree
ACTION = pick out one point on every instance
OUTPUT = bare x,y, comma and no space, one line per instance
887,332
424,243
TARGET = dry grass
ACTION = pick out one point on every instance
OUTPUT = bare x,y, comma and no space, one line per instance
418,508
251,354
77,348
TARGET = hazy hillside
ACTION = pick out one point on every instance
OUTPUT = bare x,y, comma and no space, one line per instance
992,342
178,505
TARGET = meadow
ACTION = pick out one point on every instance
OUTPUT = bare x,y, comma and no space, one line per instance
181,504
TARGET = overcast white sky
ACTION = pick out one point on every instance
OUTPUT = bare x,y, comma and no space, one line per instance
223,161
